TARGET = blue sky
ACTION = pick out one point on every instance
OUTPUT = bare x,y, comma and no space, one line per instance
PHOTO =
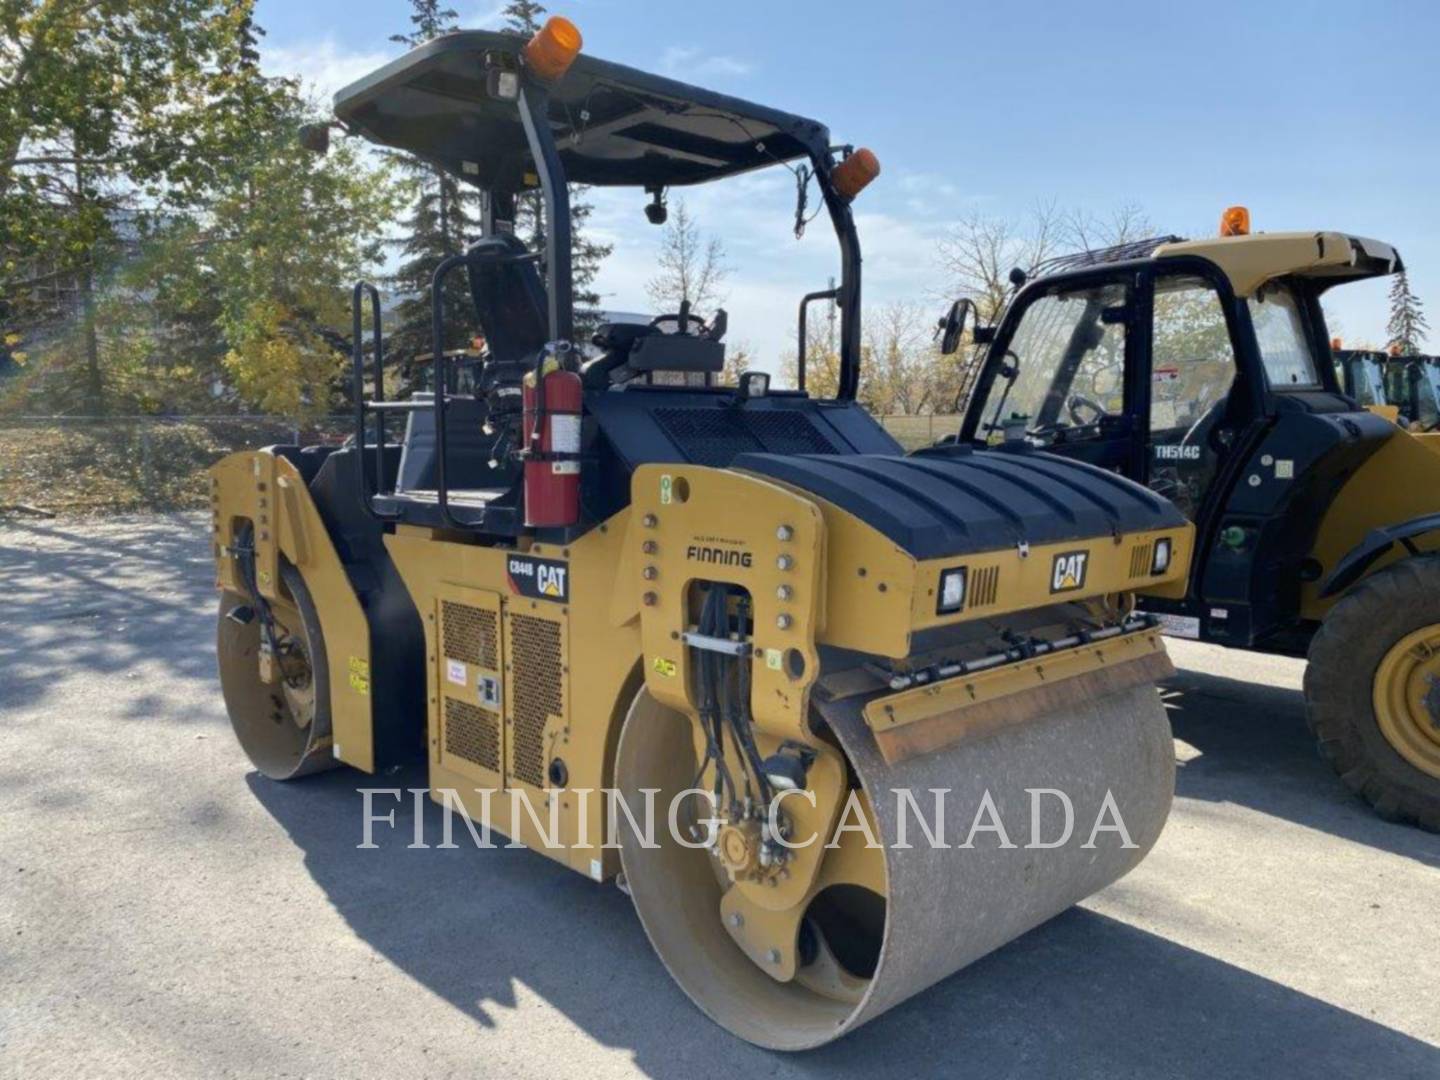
1315,115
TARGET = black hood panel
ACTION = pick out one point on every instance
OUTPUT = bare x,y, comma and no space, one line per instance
956,501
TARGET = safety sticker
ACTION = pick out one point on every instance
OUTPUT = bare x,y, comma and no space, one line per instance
359,675
565,439
773,659
664,667
1284,469
667,489
455,672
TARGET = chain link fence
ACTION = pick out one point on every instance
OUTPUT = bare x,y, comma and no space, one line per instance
92,464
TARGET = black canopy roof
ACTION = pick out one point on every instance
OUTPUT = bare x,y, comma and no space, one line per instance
613,125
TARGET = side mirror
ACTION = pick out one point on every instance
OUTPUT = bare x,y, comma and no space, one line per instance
315,137
952,326
719,323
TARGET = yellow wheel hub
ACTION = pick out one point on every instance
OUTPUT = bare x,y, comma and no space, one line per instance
1407,698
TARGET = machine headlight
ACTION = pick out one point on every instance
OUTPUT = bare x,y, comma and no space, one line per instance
1160,561
952,591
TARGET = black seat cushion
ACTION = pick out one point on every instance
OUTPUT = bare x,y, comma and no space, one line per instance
509,298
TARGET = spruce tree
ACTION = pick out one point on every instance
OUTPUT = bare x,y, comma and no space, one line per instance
523,18
442,221
1407,326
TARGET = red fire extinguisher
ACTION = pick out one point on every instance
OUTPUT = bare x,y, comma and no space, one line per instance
552,458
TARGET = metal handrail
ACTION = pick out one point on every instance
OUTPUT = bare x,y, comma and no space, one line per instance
357,299
442,382
805,302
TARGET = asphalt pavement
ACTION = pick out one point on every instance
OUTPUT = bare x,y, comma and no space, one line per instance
166,912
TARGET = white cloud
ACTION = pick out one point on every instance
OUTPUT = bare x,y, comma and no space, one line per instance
687,62
323,66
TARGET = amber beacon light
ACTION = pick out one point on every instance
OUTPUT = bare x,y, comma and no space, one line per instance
1235,221
553,49
856,172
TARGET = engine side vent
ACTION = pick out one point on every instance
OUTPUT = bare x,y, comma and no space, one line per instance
984,586
471,634
1140,561
537,692
472,734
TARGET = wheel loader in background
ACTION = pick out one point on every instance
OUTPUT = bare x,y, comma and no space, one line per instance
1203,369
612,573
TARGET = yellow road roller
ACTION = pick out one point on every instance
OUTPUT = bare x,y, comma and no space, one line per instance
839,719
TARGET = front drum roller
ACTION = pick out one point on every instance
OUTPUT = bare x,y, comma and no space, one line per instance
925,912
283,723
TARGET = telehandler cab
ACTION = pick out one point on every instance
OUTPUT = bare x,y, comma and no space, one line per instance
1412,385
1361,374
742,604
1203,370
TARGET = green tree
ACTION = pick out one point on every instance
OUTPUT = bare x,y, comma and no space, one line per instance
238,273
89,144
523,17
443,215
286,237
1407,327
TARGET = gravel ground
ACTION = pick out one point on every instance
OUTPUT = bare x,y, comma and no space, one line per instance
166,912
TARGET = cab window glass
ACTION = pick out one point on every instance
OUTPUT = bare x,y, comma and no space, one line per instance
1280,332
1192,371
1068,360
1193,364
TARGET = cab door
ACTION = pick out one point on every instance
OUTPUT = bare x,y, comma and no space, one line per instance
1191,414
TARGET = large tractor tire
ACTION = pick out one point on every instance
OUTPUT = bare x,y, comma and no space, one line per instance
283,725
1372,690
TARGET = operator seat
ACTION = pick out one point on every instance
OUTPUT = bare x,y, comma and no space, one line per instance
509,297
510,306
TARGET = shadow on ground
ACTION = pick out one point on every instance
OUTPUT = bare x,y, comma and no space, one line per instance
104,603
1083,995
1255,749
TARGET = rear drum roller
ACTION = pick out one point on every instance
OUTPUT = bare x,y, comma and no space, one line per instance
284,724
881,924
1372,690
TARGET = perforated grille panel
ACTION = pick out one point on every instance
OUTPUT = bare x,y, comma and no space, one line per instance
715,437
984,586
1140,560
471,634
472,734
537,692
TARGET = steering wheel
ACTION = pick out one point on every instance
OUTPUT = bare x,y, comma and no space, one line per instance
693,324
1075,402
